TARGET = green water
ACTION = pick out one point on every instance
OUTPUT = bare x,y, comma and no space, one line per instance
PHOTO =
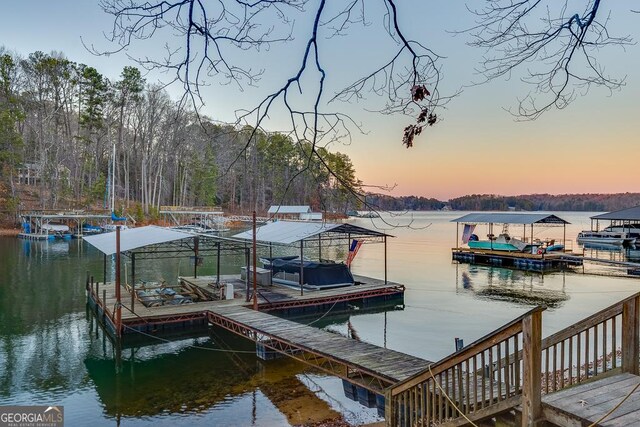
52,352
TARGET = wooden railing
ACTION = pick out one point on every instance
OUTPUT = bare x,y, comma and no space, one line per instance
514,366
487,377
603,343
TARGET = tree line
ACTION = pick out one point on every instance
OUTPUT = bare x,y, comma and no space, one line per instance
60,122
547,202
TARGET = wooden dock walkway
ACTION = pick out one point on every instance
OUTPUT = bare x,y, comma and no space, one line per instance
367,365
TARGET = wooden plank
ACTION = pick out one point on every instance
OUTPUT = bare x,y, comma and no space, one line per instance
627,415
484,413
592,414
587,388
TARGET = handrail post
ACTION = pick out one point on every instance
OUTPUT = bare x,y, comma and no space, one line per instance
532,365
389,416
630,336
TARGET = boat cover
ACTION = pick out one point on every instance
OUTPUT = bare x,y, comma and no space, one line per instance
320,274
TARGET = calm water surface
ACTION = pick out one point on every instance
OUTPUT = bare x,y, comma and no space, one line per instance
52,352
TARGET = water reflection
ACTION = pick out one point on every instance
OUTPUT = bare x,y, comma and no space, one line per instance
515,286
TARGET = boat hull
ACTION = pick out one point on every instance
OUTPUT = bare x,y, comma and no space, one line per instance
493,246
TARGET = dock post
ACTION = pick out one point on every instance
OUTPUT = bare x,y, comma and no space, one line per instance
104,269
104,304
218,265
196,243
97,289
389,416
301,267
118,296
246,277
532,366
255,273
86,286
385,260
133,281
630,335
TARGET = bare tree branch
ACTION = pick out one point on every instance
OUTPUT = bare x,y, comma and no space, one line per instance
557,45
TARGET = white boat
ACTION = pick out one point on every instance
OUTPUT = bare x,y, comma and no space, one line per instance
108,228
60,231
632,230
602,237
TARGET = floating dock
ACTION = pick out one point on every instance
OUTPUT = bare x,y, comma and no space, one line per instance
523,261
140,318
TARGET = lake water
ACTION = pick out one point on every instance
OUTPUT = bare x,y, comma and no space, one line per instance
52,352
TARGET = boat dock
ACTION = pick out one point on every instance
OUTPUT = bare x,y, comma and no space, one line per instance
525,252
368,368
36,225
519,260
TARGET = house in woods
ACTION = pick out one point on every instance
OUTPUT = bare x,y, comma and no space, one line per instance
31,173
302,213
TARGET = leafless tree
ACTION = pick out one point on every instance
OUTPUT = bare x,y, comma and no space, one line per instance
213,36
558,43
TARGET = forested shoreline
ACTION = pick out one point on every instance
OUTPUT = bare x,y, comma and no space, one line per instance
60,122
528,202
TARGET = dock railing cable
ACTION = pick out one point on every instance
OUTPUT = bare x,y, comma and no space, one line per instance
484,378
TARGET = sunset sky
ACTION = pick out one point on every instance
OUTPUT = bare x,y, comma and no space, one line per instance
589,147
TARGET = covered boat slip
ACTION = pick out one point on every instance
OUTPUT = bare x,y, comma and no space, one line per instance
41,226
524,252
168,303
625,220
309,274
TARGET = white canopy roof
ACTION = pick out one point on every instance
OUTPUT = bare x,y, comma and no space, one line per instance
275,209
511,218
134,238
287,232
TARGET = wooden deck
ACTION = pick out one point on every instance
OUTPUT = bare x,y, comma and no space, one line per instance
588,373
369,366
587,403
269,297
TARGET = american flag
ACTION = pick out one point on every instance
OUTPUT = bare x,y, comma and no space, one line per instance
353,250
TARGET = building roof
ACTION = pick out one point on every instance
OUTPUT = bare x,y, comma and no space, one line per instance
275,209
630,214
511,218
66,216
134,238
288,232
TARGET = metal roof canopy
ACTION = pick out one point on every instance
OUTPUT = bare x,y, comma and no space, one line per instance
288,232
511,218
134,238
630,214
66,216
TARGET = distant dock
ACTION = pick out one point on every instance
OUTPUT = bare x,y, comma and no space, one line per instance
522,261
